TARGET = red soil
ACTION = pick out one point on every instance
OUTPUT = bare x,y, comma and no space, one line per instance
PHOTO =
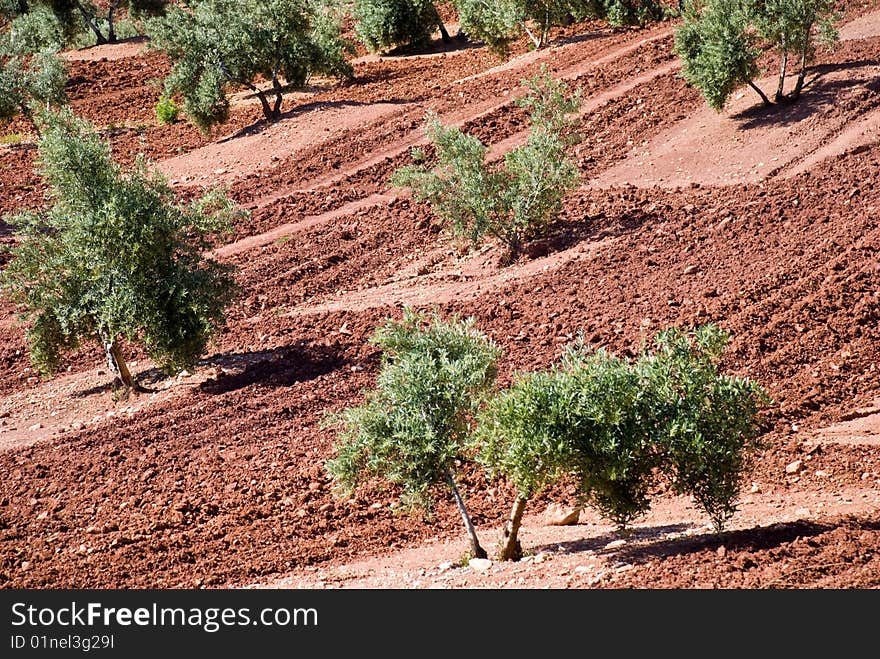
218,479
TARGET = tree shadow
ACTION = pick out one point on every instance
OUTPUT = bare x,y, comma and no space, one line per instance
279,367
599,542
261,125
758,538
817,95
458,41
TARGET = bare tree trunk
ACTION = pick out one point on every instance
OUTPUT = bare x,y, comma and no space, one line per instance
99,38
802,74
531,36
264,102
479,552
116,363
443,33
511,549
780,88
276,86
111,31
763,96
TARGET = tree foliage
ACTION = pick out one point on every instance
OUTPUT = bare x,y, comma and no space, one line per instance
721,41
382,24
215,45
713,420
29,83
512,201
616,425
412,427
114,257
498,23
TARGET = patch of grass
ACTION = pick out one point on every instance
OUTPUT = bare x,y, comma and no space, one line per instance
12,138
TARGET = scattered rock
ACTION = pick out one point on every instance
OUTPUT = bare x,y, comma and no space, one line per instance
721,551
614,544
691,269
794,467
480,564
36,426
558,515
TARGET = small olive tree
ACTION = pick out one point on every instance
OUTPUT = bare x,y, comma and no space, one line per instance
115,257
29,83
381,24
412,428
498,23
512,201
217,44
713,419
720,42
517,437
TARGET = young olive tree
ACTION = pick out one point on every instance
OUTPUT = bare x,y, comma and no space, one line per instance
412,428
498,23
381,24
517,437
29,83
714,420
115,257
217,44
47,22
721,41
512,201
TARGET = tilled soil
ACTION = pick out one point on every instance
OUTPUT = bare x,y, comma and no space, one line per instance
218,479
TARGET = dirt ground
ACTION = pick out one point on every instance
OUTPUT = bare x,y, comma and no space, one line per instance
763,221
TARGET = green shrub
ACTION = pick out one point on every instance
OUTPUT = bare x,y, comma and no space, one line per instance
28,83
412,427
218,45
714,419
512,201
381,24
720,42
115,257
166,110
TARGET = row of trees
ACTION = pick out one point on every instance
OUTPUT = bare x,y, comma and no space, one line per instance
616,426
219,45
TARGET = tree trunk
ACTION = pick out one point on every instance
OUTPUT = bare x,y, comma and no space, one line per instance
479,552
780,88
111,31
276,87
802,74
443,33
531,36
763,96
511,549
99,38
116,363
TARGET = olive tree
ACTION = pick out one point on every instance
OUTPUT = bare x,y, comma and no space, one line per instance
215,45
47,22
381,24
713,419
517,437
412,428
498,23
721,41
30,83
514,200
115,257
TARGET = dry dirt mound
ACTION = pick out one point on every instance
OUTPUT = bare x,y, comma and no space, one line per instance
218,480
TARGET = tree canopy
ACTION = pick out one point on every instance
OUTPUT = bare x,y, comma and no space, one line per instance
216,45
115,257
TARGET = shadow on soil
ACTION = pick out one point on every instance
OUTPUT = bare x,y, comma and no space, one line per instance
279,367
260,125
817,95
